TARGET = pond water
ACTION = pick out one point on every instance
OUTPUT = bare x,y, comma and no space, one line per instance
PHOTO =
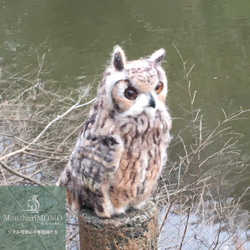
79,35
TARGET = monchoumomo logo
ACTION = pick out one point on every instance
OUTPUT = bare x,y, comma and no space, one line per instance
32,217
33,205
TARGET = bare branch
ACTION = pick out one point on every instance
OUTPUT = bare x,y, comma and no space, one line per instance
20,175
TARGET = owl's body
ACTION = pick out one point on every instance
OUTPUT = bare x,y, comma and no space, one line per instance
121,149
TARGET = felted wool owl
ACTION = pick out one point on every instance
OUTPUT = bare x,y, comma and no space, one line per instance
121,149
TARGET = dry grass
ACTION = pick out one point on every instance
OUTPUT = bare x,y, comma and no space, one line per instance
198,213
38,128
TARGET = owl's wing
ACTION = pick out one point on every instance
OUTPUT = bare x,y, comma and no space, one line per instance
93,161
98,158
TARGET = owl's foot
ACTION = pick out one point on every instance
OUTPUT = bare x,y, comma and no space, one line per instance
103,214
139,205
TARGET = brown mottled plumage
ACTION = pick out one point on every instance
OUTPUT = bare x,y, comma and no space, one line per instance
121,149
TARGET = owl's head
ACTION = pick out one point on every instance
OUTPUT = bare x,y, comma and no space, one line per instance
133,87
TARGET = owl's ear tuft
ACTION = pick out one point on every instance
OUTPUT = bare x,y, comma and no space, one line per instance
118,58
158,56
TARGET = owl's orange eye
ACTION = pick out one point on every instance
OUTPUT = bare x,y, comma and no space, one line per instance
130,93
159,88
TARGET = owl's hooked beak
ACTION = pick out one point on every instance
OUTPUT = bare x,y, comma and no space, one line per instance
151,101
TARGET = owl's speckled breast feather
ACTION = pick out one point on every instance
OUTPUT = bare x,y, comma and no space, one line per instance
142,159
121,150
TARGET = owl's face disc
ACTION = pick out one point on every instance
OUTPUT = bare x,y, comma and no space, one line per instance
137,86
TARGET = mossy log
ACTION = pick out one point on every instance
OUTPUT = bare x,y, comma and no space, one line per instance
135,230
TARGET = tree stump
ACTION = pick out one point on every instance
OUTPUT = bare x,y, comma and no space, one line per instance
135,230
